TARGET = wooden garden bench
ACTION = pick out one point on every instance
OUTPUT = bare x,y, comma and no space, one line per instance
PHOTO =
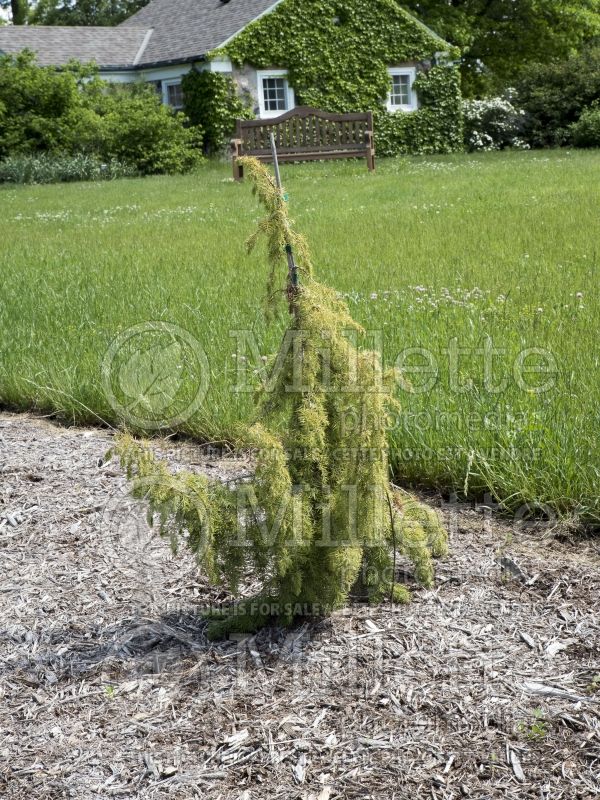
305,134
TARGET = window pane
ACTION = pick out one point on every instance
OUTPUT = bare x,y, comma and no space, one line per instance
275,94
400,94
175,95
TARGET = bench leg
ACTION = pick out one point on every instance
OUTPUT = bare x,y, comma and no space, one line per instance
371,160
238,170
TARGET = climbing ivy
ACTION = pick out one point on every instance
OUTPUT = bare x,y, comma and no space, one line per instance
436,127
211,101
337,53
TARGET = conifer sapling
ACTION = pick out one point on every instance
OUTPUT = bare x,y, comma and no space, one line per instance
319,518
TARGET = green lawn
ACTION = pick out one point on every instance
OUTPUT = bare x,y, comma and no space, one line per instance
445,254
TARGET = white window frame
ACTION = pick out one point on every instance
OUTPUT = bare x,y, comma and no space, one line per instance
290,98
165,93
414,101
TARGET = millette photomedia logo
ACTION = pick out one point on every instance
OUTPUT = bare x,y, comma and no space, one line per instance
155,375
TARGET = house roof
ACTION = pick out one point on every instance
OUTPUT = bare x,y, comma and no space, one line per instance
163,32
188,29
56,45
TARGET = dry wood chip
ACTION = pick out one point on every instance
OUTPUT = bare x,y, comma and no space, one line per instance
515,764
126,697
529,640
299,770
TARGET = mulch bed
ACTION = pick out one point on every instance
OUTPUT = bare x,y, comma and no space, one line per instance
487,686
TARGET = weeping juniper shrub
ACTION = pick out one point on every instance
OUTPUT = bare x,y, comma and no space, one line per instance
319,518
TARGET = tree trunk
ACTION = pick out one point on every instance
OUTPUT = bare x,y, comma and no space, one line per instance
19,11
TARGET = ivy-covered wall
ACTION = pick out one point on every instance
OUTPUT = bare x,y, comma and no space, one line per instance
212,102
337,53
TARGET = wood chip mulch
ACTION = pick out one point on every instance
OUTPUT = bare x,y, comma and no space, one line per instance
487,686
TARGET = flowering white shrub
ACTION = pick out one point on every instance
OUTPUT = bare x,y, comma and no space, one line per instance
493,124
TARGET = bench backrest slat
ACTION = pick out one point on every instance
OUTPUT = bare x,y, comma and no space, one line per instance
307,132
305,127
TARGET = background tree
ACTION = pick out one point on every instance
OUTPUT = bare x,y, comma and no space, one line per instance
554,95
19,10
84,12
501,37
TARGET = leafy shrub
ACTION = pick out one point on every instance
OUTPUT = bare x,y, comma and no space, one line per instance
44,168
586,131
36,102
137,128
211,101
555,95
492,124
72,112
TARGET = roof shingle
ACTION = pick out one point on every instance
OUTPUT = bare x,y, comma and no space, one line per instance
188,29
56,45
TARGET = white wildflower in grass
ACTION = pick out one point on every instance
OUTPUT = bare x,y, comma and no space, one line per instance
579,295
373,295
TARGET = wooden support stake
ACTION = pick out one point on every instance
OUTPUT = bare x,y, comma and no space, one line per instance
292,268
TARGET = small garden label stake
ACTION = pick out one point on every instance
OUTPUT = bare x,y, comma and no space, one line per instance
319,519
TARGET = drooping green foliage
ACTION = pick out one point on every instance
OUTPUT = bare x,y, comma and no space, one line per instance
211,101
337,54
70,112
319,516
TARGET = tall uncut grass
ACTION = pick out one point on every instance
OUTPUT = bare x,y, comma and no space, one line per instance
460,262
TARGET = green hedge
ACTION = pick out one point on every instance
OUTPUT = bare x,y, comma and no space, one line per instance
71,112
